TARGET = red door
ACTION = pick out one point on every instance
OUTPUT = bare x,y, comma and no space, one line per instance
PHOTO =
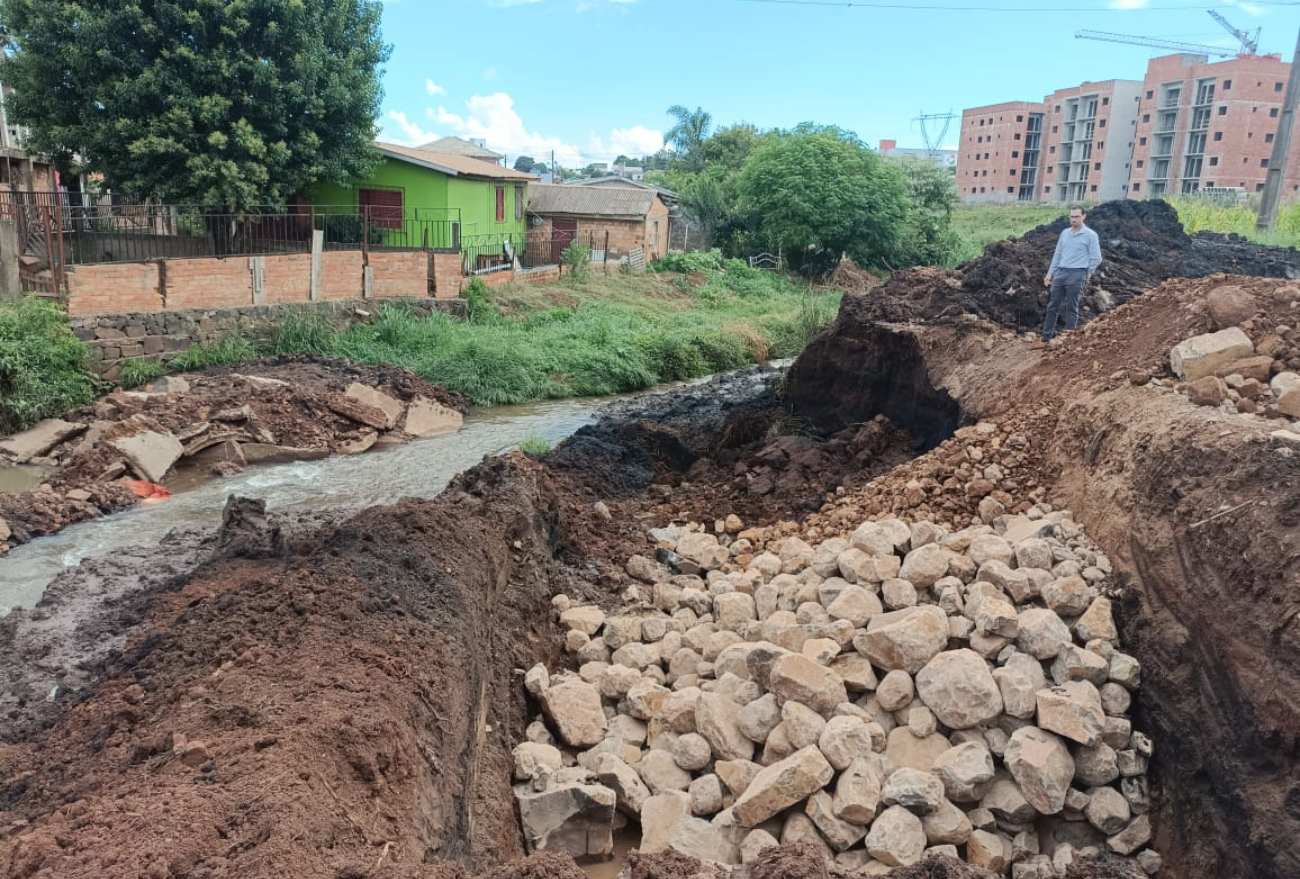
563,233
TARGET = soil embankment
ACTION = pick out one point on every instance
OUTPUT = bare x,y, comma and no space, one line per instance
107,456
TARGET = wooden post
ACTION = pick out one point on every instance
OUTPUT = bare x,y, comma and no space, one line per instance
49,246
317,263
605,258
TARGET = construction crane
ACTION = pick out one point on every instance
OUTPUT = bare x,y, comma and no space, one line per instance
934,144
1249,42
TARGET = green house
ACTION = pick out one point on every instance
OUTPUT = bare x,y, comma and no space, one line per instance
419,198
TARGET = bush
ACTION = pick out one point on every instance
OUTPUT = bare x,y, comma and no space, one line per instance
42,364
697,262
476,299
534,445
577,259
139,372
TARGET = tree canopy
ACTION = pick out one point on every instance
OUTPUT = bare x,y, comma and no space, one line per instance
525,164
221,103
688,134
819,193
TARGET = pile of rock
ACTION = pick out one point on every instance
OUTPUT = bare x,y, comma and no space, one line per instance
1227,370
902,690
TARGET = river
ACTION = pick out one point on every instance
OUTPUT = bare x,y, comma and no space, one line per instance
418,469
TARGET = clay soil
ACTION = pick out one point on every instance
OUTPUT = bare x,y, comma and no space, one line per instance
340,700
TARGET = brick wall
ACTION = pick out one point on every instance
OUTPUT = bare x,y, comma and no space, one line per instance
401,274
113,287
447,273
229,283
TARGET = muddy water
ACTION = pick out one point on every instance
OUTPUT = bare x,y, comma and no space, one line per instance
422,468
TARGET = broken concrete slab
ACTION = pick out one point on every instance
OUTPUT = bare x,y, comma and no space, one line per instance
151,454
425,418
376,399
39,439
355,410
577,819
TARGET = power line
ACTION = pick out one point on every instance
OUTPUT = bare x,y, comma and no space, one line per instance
1018,9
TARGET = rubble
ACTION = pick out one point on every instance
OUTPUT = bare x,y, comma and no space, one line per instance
978,736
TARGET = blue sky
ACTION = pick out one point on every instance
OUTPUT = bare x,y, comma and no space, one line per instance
592,78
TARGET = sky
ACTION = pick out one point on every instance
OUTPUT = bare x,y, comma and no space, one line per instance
590,79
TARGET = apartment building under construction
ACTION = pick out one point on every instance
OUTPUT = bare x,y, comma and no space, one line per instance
1189,125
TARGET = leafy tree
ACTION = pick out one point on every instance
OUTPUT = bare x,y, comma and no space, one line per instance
687,136
730,146
221,103
540,168
819,193
526,164
928,238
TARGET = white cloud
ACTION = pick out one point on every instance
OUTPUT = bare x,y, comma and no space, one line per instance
411,134
433,88
494,119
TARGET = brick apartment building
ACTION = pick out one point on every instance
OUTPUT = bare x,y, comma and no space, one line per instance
999,152
1209,125
1188,125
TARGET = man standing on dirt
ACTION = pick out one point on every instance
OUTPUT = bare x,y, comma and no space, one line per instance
1078,253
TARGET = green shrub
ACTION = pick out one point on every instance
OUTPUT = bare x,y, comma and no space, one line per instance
577,259
134,373
534,445
476,298
226,352
42,364
695,262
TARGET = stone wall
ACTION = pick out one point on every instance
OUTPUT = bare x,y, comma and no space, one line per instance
159,335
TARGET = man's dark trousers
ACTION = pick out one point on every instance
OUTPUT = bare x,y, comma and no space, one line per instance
1066,290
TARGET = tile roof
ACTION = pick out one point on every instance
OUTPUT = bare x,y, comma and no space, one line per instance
458,146
447,163
590,201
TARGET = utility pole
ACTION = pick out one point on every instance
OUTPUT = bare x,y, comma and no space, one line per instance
1281,149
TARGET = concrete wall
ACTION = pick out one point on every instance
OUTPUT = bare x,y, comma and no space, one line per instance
235,282
116,338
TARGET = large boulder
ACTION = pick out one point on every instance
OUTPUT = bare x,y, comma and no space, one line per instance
959,688
1200,356
904,639
781,785
1042,766
716,718
629,790
857,793
574,707
1072,710
796,677
575,818
1230,305
897,837
966,771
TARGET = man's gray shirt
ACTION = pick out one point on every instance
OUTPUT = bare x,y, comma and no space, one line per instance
1077,250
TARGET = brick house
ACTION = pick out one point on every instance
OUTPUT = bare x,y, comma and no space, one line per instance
633,216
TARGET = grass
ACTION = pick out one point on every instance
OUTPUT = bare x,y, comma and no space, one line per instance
534,445
980,225
43,366
602,335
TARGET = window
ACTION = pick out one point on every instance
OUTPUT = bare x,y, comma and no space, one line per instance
1012,172
981,123
1268,138
1101,123
1056,109
1263,163
519,202
985,174
1049,169
1146,117
1272,114
1277,86
1259,187
1214,161
1052,149
1223,110
1142,141
1137,186
1093,187
1017,136
1150,94
1053,129
383,205
1020,118
1227,85
979,139
1254,109
1105,102
1096,166
1218,135
1011,188
981,189
501,203
1015,154
1141,163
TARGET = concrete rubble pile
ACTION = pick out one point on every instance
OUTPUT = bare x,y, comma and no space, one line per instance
901,690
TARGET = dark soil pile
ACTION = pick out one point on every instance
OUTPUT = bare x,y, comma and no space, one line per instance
1142,245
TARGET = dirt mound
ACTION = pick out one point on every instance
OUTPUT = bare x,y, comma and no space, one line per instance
349,705
1142,245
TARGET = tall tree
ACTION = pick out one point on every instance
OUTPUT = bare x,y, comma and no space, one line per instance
818,193
222,103
525,164
687,136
